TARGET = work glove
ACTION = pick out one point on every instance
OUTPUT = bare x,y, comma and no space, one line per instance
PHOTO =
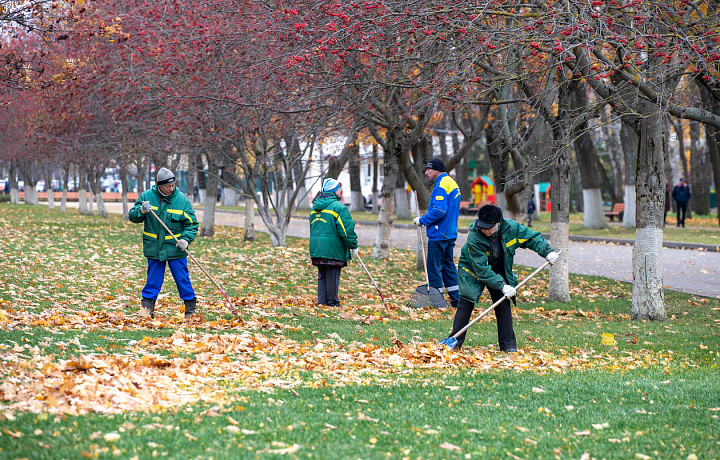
552,257
146,207
508,291
182,244
354,252
416,221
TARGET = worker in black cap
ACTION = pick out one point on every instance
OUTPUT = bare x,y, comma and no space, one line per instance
441,222
486,260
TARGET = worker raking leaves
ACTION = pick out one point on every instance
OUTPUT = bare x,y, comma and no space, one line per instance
486,260
174,209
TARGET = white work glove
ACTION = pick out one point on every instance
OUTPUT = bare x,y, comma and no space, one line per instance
508,291
146,207
552,257
182,244
416,221
354,252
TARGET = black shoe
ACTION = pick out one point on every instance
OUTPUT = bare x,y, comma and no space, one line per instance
510,350
190,307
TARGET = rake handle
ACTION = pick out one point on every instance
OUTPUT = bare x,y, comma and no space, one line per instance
492,307
422,243
371,279
227,299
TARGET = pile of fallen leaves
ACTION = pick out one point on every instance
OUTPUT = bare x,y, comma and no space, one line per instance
152,374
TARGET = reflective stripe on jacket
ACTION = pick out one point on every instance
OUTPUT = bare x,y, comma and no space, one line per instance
332,229
176,212
441,219
474,267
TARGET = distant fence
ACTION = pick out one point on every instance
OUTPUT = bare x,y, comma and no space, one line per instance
74,196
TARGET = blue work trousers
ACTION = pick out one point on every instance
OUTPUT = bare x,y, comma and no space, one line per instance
156,276
441,268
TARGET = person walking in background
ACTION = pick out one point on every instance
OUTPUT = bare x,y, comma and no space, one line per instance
486,260
530,211
174,209
333,240
441,222
681,194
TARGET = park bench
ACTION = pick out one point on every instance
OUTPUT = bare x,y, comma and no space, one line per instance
467,209
618,210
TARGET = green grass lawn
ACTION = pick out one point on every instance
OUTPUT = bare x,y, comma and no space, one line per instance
83,376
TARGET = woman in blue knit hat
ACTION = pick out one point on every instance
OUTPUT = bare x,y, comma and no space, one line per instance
333,240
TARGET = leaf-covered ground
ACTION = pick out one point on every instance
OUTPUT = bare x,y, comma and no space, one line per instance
75,352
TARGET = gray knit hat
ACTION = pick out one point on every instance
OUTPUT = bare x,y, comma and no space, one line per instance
165,176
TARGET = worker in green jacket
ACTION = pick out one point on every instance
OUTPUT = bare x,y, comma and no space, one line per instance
170,205
486,260
333,240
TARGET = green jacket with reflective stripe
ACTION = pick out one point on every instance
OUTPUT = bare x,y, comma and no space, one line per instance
332,230
176,212
474,271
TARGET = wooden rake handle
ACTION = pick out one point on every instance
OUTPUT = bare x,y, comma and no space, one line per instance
227,299
492,307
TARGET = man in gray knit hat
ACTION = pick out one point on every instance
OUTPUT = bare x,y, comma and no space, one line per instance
173,208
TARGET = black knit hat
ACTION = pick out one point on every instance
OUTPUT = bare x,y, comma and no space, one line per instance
488,216
435,164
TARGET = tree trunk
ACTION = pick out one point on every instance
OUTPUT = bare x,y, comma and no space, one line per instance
82,192
611,134
560,183
629,140
96,186
249,234
712,135
14,193
65,175
30,182
208,224
48,186
357,201
125,184
375,161
700,173
594,216
648,295
385,217
192,170
402,204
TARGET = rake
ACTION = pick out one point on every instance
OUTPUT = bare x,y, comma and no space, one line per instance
227,299
451,342
371,279
425,295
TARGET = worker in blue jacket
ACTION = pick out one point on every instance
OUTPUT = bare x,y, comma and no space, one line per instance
441,222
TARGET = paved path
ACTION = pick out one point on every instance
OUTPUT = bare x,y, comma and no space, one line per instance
695,271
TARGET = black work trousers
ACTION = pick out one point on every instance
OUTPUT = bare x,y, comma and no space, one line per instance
503,315
329,285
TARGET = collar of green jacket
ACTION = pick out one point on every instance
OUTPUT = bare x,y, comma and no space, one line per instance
324,200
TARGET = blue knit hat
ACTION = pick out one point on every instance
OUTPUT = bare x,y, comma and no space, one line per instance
330,185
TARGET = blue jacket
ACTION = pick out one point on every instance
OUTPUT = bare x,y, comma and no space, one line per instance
441,219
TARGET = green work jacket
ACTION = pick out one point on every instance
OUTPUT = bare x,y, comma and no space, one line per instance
332,230
176,212
474,267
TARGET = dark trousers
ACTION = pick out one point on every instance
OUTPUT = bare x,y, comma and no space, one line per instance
328,285
681,210
503,315
441,268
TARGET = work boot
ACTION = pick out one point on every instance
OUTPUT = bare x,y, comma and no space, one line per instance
190,307
147,308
